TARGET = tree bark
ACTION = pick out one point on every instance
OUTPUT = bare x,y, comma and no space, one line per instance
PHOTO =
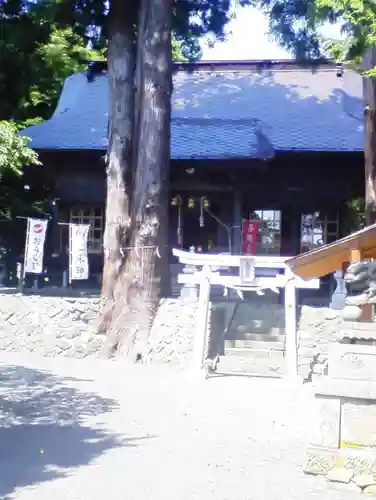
137,175
121,67
148,263
369,91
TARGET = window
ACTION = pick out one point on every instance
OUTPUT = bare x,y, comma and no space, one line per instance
94,217
269,237
318,229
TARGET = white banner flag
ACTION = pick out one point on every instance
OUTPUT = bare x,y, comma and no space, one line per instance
78,261
35,238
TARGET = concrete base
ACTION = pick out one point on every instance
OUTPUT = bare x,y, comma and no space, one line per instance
343,441
321,461
352,361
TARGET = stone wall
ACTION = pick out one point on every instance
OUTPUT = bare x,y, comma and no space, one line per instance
64,326
171,337
49,325
318,327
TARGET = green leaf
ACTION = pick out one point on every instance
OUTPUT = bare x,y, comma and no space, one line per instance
14,150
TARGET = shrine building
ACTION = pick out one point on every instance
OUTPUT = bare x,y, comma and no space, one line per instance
273,141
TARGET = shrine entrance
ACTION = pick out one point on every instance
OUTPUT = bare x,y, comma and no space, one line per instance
194,223
200,235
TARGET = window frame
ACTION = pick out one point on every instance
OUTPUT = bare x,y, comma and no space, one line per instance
325,219
90,215
276,220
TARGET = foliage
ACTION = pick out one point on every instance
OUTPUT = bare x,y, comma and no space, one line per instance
14,150
19,169
62,55
177,52
356,214
296,23
44,41
37,57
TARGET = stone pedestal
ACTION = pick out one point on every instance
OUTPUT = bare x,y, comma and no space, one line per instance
189,292
338,299
343,442
352,361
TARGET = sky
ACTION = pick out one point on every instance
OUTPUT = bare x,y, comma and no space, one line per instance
248,39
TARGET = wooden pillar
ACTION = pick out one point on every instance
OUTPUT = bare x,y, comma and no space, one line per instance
200,337
290,325
367,310
237,223
55,228
345,222
355,255
290,230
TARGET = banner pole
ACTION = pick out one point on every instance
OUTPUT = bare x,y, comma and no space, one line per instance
26,248
70,255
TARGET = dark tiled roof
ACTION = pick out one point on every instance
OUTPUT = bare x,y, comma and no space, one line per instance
225,113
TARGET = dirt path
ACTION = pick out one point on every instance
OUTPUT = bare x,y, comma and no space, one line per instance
91,430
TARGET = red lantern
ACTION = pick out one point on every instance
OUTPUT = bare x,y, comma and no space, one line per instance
250,233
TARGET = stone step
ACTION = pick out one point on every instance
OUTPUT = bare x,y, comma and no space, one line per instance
253,353
251,365
255,337
255,344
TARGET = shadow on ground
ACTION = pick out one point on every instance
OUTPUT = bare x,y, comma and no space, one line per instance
45,428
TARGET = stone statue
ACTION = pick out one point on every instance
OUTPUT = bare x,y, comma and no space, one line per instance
360,279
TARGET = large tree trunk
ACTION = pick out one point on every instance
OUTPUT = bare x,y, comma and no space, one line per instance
149,258
133,281
370,139
121,67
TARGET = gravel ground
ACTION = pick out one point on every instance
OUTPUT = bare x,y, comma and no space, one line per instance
89,429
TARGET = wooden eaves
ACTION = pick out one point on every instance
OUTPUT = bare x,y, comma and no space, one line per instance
332,257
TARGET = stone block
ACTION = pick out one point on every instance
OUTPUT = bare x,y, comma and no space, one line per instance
306,335
80,352
366,329
346,388
5,344
63,344
319,369
351,313
305,372
321,358
306,352
308,344
351,361
189,293
340,475
364,480
361,462
70,333
370,491
358,423
326,422
96,342
320,460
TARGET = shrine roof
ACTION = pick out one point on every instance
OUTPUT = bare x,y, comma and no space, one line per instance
330,258
225,110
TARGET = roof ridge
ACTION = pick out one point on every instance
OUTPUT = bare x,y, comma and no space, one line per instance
226,113
99,67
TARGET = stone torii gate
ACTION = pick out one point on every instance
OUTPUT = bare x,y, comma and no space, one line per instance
245,278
